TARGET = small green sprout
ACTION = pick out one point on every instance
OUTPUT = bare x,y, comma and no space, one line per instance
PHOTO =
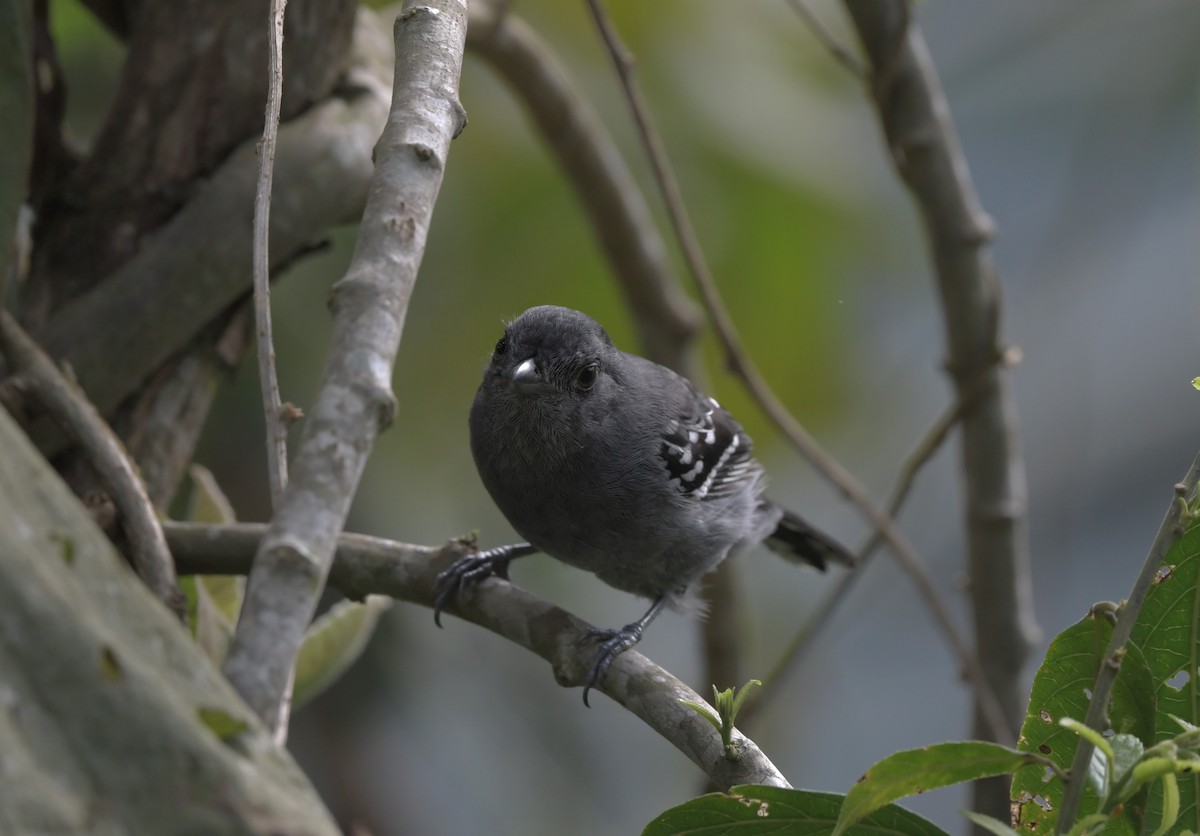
728,704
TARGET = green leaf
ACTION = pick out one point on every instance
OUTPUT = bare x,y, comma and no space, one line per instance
772,811
990,824
917,770
1168,633
333,643
214,601
1170,805
1127,749
740,698
1062,688
704,711
207,503
210,627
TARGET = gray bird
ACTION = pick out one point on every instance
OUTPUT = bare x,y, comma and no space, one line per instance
618,466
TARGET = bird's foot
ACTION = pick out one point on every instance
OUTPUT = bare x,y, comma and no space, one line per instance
471,569
612,644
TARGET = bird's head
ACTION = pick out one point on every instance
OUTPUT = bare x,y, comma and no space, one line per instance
551,354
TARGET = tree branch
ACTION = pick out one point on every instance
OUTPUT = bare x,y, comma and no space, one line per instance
117,334
72,411
167,416
276,425
114,720
355,401
843,56
925,150
743,367
371,566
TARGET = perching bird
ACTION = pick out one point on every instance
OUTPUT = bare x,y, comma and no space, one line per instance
619,466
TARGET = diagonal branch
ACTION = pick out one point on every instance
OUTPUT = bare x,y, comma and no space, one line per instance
999,726
73,412
1097,712
355,401
821,32
369,565
822,614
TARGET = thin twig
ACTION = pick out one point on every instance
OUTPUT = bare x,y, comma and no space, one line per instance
1168,533
276,426
368,565
843,55
743,367
930,442
355,401
71,409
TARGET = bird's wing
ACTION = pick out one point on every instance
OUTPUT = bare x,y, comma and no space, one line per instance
706,452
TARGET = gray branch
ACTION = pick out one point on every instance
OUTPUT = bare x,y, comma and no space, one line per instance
355,401
925,150
71,410
273,415
372,566
113,720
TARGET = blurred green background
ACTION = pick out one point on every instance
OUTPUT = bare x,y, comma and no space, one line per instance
1079,120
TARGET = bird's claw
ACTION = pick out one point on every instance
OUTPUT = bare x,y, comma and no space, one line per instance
612,644
469,570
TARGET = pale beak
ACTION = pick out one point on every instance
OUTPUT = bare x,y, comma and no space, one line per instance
527,380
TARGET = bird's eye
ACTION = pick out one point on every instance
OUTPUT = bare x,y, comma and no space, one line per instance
501,346
585,378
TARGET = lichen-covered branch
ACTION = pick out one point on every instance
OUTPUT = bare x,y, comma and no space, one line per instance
355,401
113,719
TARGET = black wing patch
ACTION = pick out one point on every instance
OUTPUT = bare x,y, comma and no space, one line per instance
708,456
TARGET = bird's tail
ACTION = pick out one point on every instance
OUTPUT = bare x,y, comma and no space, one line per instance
798,541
